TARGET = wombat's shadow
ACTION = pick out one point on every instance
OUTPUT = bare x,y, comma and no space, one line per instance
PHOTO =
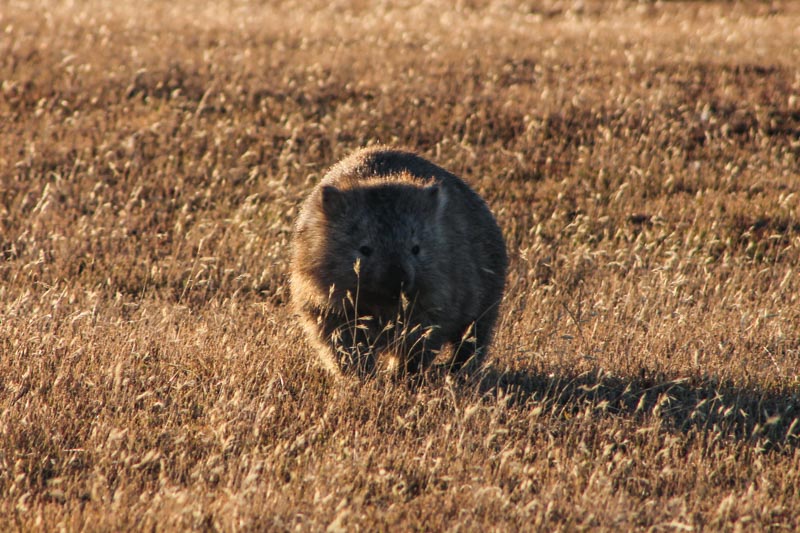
695,406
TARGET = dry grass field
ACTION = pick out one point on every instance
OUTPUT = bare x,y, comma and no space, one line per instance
643,160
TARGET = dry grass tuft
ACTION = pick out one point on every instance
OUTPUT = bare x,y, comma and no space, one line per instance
642,160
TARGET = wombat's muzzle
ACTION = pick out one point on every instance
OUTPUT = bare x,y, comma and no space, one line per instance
397,279
387,287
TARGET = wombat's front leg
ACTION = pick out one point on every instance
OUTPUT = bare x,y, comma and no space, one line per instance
470,349
419,348
352,350
419,361
344,346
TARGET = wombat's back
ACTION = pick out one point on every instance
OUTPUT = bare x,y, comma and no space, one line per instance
374,162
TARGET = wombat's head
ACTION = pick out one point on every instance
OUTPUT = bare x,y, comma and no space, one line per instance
379,240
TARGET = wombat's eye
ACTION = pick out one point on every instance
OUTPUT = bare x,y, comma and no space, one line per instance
366,251
415,249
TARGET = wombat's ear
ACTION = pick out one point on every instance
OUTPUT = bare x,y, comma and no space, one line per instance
333,201
436,198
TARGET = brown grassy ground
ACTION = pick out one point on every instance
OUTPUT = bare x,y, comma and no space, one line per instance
642,159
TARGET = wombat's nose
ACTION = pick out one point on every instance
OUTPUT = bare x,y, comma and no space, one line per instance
396,278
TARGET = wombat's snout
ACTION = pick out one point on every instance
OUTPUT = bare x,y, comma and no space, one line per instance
398,278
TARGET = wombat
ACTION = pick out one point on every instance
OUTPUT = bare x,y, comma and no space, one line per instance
395,256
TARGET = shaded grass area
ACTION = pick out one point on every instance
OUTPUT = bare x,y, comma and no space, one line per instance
698,407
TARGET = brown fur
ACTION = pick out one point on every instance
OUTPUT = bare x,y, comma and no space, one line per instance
384,222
